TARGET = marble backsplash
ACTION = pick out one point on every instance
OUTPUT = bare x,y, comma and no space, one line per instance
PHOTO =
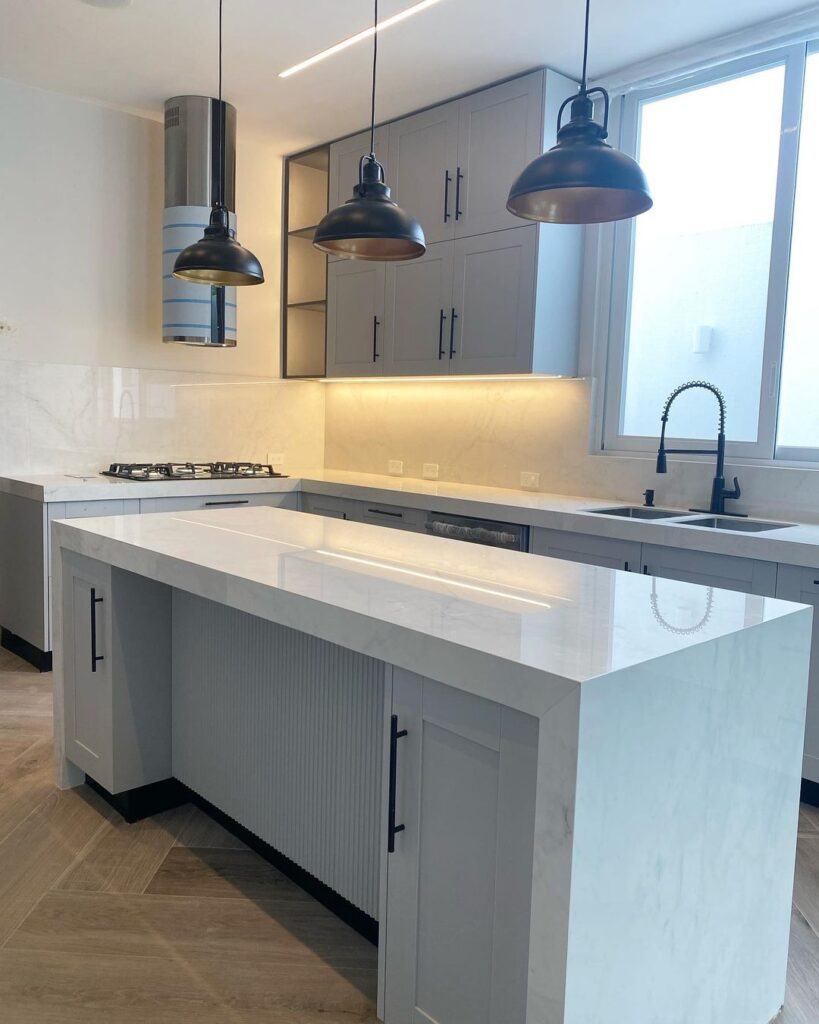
488,432
68,418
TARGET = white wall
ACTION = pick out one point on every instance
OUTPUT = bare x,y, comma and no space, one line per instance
80,264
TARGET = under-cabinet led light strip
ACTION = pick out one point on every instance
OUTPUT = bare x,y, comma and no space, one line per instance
358,38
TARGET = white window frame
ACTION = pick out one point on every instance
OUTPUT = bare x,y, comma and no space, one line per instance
615,264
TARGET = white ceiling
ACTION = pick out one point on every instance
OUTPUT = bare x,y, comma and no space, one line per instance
134,57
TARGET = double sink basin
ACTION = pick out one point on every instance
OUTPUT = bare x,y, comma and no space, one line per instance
736,525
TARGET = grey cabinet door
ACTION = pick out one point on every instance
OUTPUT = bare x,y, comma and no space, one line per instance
802,585
355,319
494,298
87,667
423,160
727,572
192,502
419,313
459,883
580,547
500,132
345,157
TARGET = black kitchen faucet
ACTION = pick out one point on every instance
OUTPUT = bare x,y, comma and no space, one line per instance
719,492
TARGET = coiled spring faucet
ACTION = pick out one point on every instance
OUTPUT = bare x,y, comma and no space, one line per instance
719,492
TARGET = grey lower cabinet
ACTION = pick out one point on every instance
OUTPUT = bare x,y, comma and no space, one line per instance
117,674
727,572
795,583
459,881
191,502
372,512
587,548
355,318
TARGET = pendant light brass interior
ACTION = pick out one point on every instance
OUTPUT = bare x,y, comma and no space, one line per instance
371,225
217,258
581,179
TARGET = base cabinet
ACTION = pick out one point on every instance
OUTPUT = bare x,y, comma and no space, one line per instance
795,583
116,674
580,547
727,572
459,882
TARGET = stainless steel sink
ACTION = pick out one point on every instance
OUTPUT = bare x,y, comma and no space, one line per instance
737,525
635,512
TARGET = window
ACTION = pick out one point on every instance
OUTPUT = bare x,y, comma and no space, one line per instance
717,281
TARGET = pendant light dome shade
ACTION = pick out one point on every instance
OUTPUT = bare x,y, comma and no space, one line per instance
217,258
370,226
581,179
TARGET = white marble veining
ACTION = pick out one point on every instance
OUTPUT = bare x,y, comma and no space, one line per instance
550,623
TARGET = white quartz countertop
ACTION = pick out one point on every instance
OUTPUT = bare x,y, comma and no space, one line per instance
501,624
795,545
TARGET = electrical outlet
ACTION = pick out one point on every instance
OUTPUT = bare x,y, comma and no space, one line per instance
395,467
276,459
7,327
430,471
530,481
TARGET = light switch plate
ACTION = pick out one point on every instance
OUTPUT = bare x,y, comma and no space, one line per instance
276,459
429,471
530,481
395,467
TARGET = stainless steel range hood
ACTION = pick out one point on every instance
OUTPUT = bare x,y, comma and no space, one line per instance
191,312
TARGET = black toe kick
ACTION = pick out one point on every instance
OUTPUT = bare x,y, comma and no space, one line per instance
41,660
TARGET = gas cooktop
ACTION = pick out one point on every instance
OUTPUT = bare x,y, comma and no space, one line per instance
191,471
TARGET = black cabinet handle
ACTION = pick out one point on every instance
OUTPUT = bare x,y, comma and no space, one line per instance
238,501
384,512
447,181
392,828
453,318
376,325
441,323
458,211
645,570
625,566
94,656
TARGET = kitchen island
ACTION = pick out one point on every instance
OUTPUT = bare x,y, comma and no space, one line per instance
566,796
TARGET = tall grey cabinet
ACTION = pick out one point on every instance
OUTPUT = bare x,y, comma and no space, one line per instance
493,294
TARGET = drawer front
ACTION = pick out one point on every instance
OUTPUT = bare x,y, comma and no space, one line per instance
588,549
327,505
194,502
728,572
391,515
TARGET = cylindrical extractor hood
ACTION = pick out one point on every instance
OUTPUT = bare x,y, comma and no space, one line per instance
195,314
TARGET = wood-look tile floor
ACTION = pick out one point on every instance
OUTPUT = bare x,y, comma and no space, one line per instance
174,921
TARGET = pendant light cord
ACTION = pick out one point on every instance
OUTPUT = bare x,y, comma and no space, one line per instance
222,158
375,66
585,48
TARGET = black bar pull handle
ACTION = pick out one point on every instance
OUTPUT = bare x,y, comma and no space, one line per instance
384,512
458,211
625,566
447,182
453,318
392,828
94,656
236,501
376,325
441,323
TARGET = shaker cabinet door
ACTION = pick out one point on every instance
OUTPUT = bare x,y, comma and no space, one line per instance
423,160
500,132
419,313
459,881
494,300
355,319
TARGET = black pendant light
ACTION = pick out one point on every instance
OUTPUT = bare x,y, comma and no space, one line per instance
371,226
217,258
582,179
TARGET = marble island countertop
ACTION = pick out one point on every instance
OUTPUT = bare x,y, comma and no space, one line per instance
493,622
795,545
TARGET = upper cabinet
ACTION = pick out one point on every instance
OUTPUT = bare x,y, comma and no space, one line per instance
493,293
